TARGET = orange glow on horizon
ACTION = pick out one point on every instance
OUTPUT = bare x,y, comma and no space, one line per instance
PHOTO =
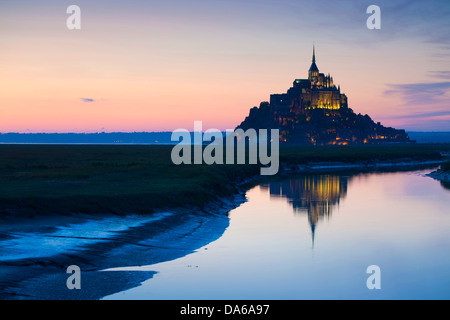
150,68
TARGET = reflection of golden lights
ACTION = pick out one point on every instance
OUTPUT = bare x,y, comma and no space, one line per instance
316,194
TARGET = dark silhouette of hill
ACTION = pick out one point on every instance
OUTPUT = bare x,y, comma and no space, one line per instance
322,126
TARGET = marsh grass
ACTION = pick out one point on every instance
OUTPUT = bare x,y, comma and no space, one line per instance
445,166
63,179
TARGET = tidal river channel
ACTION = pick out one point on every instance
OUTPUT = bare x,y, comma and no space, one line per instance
314,236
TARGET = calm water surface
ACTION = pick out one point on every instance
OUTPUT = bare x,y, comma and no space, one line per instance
313,237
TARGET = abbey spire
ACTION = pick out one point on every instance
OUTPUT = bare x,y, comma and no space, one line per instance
313,72
314,54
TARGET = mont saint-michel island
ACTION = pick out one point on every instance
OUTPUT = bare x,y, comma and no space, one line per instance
315,112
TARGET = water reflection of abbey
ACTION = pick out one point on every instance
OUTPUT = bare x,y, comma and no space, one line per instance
315,195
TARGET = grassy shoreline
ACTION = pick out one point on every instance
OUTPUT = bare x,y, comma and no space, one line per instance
445,166
122,179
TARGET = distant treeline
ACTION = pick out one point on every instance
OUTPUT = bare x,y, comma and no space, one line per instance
89,138
152,137
429,137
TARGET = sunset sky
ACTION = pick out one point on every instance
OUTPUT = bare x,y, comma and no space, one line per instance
141,65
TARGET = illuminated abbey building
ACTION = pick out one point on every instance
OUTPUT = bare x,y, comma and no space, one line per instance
318,91
314,111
